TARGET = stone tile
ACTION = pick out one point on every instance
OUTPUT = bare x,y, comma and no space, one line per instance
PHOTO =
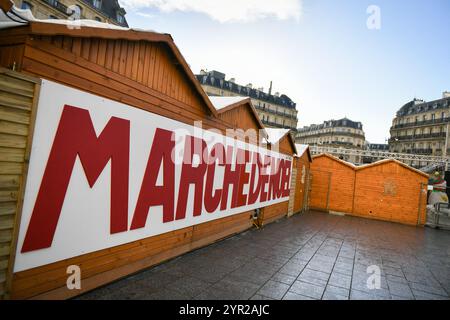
429,289
260,297
391,278
162,294
292,269
189,286
307,289
340,280
295,296
364,295
273,289
421,295
255,276
335,293
317,254
283,278
314,277
237,287
399,289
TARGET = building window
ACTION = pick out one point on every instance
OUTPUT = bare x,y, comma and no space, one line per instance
120,19
52,17
97,3
98,19
26,5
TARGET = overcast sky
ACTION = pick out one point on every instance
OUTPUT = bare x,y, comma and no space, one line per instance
320,53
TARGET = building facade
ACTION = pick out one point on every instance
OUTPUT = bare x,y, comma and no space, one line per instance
275,110
342,133
382,147
108,11
421,127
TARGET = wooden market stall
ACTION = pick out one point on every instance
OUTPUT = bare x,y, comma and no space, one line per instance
282,141
385,190
131,73
332,185
299,199
392,191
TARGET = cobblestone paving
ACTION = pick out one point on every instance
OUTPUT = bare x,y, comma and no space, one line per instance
308,256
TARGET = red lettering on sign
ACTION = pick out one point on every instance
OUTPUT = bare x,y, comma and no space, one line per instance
151,194
192,175
213,201
76,136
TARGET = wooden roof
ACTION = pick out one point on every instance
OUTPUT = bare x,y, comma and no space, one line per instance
384,161
329,156
278,140
55,29
247,103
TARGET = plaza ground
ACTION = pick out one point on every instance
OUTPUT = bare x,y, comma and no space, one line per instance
308,256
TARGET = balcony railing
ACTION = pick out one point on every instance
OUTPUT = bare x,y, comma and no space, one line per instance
421,151
278,125
57,5
291,116
331,134
422,123
418,136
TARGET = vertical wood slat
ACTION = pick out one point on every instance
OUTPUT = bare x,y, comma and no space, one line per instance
129,60
123,57
14,162
101,57
93,50
109,55
76,46
149,63
141,58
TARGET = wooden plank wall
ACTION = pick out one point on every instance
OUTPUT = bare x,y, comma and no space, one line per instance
320,188
341,188
390,192
279,210
18,95
301,189
115,70
294,186
386,191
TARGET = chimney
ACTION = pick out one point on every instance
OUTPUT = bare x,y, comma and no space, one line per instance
261,89
277,94
203,72
232,80
270,88
249,85
446,94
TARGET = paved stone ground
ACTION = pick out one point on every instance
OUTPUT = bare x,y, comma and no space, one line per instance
308,256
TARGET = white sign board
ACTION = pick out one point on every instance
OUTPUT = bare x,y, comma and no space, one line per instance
103,174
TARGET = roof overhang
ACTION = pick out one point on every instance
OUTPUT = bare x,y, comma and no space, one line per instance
91,29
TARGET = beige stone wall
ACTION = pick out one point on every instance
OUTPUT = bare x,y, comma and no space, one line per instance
290,120
352,136
42,10
436,144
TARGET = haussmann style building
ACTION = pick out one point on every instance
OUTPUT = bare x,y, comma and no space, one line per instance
108,11
342,133
420,127
275,110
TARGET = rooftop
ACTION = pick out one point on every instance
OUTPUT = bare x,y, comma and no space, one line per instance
344,122
419,106
217,79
